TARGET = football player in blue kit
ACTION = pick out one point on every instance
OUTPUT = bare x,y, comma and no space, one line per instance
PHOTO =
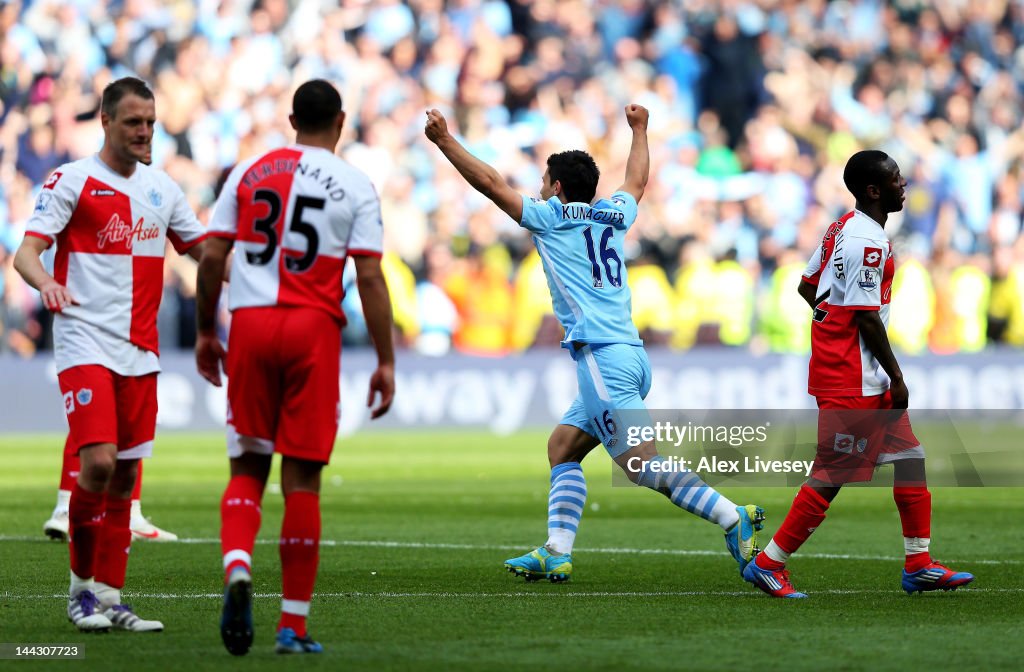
580,242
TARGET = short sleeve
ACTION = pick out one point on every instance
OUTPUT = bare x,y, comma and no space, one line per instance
184,230
538,215
54,206
862,263
623,202
224,219
812,272
367,238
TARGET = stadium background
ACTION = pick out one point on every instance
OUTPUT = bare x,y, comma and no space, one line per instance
755,107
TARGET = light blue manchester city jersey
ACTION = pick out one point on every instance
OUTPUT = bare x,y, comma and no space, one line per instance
580,246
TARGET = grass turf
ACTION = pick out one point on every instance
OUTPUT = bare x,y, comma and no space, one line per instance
422,522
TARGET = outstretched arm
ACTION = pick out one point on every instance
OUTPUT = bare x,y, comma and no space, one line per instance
638,165
480,176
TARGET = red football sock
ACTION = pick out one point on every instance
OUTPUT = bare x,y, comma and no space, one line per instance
300,554
69,471
915,506
85,518
114,541
137,492
240,517
806,514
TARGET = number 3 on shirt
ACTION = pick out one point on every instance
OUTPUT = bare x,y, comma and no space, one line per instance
607,255
268,227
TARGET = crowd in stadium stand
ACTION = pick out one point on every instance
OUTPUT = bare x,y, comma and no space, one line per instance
755,107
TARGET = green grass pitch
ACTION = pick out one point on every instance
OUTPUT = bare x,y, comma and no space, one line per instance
417,525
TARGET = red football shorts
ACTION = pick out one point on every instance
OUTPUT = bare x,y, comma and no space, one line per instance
856,434
105,407
283,368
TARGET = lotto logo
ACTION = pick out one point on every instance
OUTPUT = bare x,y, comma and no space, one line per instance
843,443
872,257
69,403
52,180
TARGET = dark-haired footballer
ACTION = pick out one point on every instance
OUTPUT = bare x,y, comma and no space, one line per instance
580,243
293,216
857,384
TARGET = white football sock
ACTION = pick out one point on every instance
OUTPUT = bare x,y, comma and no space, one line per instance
107,595
63,501
78,584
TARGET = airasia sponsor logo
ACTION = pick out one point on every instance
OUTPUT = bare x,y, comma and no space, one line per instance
117,231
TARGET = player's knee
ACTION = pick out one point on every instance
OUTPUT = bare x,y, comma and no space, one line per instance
97,473
569,443
909,472
558,452
122,480
299,474
636,464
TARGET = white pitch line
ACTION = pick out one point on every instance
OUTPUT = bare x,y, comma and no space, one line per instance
503,547
558,593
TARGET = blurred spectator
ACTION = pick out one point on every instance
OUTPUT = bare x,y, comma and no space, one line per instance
652,298
785,317
535,322
916,304
1006,310
482,294
436,314
732,78
755,107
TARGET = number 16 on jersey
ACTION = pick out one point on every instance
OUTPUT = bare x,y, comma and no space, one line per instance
607,255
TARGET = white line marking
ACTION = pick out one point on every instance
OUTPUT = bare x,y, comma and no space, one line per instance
557,593
504,547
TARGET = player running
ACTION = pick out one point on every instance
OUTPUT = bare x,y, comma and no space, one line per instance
857,381
295,215
580,243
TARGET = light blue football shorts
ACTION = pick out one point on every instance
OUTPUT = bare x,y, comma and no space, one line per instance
613,379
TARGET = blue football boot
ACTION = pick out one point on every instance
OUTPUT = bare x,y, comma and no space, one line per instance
935,576
288,642
541,564
741,538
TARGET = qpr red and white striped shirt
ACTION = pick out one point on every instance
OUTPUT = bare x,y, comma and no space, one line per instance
111,233
296,214
853,269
